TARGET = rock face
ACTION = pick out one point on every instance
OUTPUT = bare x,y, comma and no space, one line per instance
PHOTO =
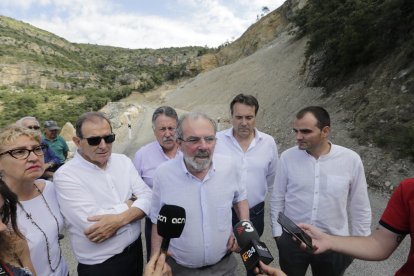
68,131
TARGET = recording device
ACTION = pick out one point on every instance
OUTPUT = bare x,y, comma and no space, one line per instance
290,227
253,250
170,224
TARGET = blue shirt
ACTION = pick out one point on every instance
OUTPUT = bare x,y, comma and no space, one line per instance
258,162
50,156
207,204
59,147
148,158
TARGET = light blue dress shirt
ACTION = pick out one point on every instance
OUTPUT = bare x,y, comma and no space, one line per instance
207,204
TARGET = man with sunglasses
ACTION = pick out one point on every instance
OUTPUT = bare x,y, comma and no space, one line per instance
52,162
102,198
164,148
206,186
319,183
56,142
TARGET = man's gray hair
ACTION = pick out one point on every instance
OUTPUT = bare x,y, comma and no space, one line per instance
21,120
167,111
193,116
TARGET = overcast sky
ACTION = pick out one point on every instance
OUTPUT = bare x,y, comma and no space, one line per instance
141,23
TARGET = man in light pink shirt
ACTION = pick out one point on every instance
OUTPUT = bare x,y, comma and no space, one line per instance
149,157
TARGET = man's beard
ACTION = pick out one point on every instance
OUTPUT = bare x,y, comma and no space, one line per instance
197,164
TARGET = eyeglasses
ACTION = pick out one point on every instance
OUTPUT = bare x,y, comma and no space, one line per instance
96,140
34,127
195,140
22,154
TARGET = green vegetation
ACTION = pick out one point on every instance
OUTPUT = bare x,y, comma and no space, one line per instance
59,80
351,33
369,41
61,106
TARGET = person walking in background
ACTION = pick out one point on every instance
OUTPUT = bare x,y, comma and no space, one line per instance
396,222
206,186
255,151
14,251
317,182
52,162
38,215
150,156
55,141
102,198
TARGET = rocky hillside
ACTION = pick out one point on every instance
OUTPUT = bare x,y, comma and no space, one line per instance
371,106
54,78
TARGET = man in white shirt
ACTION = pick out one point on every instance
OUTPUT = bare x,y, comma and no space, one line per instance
255,151
318,183
207,188
102,199
149,157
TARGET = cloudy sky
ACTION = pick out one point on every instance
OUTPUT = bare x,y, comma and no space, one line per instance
141,23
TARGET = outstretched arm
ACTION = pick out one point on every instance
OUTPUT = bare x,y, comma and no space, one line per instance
376,247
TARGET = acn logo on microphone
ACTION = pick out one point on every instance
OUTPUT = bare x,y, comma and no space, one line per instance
173,220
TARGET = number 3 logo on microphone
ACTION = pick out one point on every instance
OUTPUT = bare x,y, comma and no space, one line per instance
248,227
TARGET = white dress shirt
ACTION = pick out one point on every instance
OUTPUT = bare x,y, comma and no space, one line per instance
207,203
85,190
43,217
258,164
320,191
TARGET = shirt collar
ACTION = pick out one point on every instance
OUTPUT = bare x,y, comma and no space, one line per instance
86,163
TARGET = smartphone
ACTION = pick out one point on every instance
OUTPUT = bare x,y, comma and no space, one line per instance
290,227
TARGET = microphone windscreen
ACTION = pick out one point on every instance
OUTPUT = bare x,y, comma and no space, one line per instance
171,221
245,233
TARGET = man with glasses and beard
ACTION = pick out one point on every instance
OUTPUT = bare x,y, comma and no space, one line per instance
150,156
52,162
102,198
207,187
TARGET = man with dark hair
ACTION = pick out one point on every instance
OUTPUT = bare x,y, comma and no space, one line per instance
150,156
206,186
102,198
318,182
254,150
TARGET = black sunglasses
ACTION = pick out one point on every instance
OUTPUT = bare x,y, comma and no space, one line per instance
96,140
34,127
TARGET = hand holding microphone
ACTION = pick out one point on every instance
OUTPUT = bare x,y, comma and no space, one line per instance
170,224
252,249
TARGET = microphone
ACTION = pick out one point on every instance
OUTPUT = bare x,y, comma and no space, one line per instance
253,250
170,224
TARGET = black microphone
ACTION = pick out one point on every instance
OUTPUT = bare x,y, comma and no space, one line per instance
252,249
170,224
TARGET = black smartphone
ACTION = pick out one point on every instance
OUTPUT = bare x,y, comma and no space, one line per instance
290,227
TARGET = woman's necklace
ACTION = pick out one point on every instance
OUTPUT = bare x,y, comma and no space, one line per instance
29,217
